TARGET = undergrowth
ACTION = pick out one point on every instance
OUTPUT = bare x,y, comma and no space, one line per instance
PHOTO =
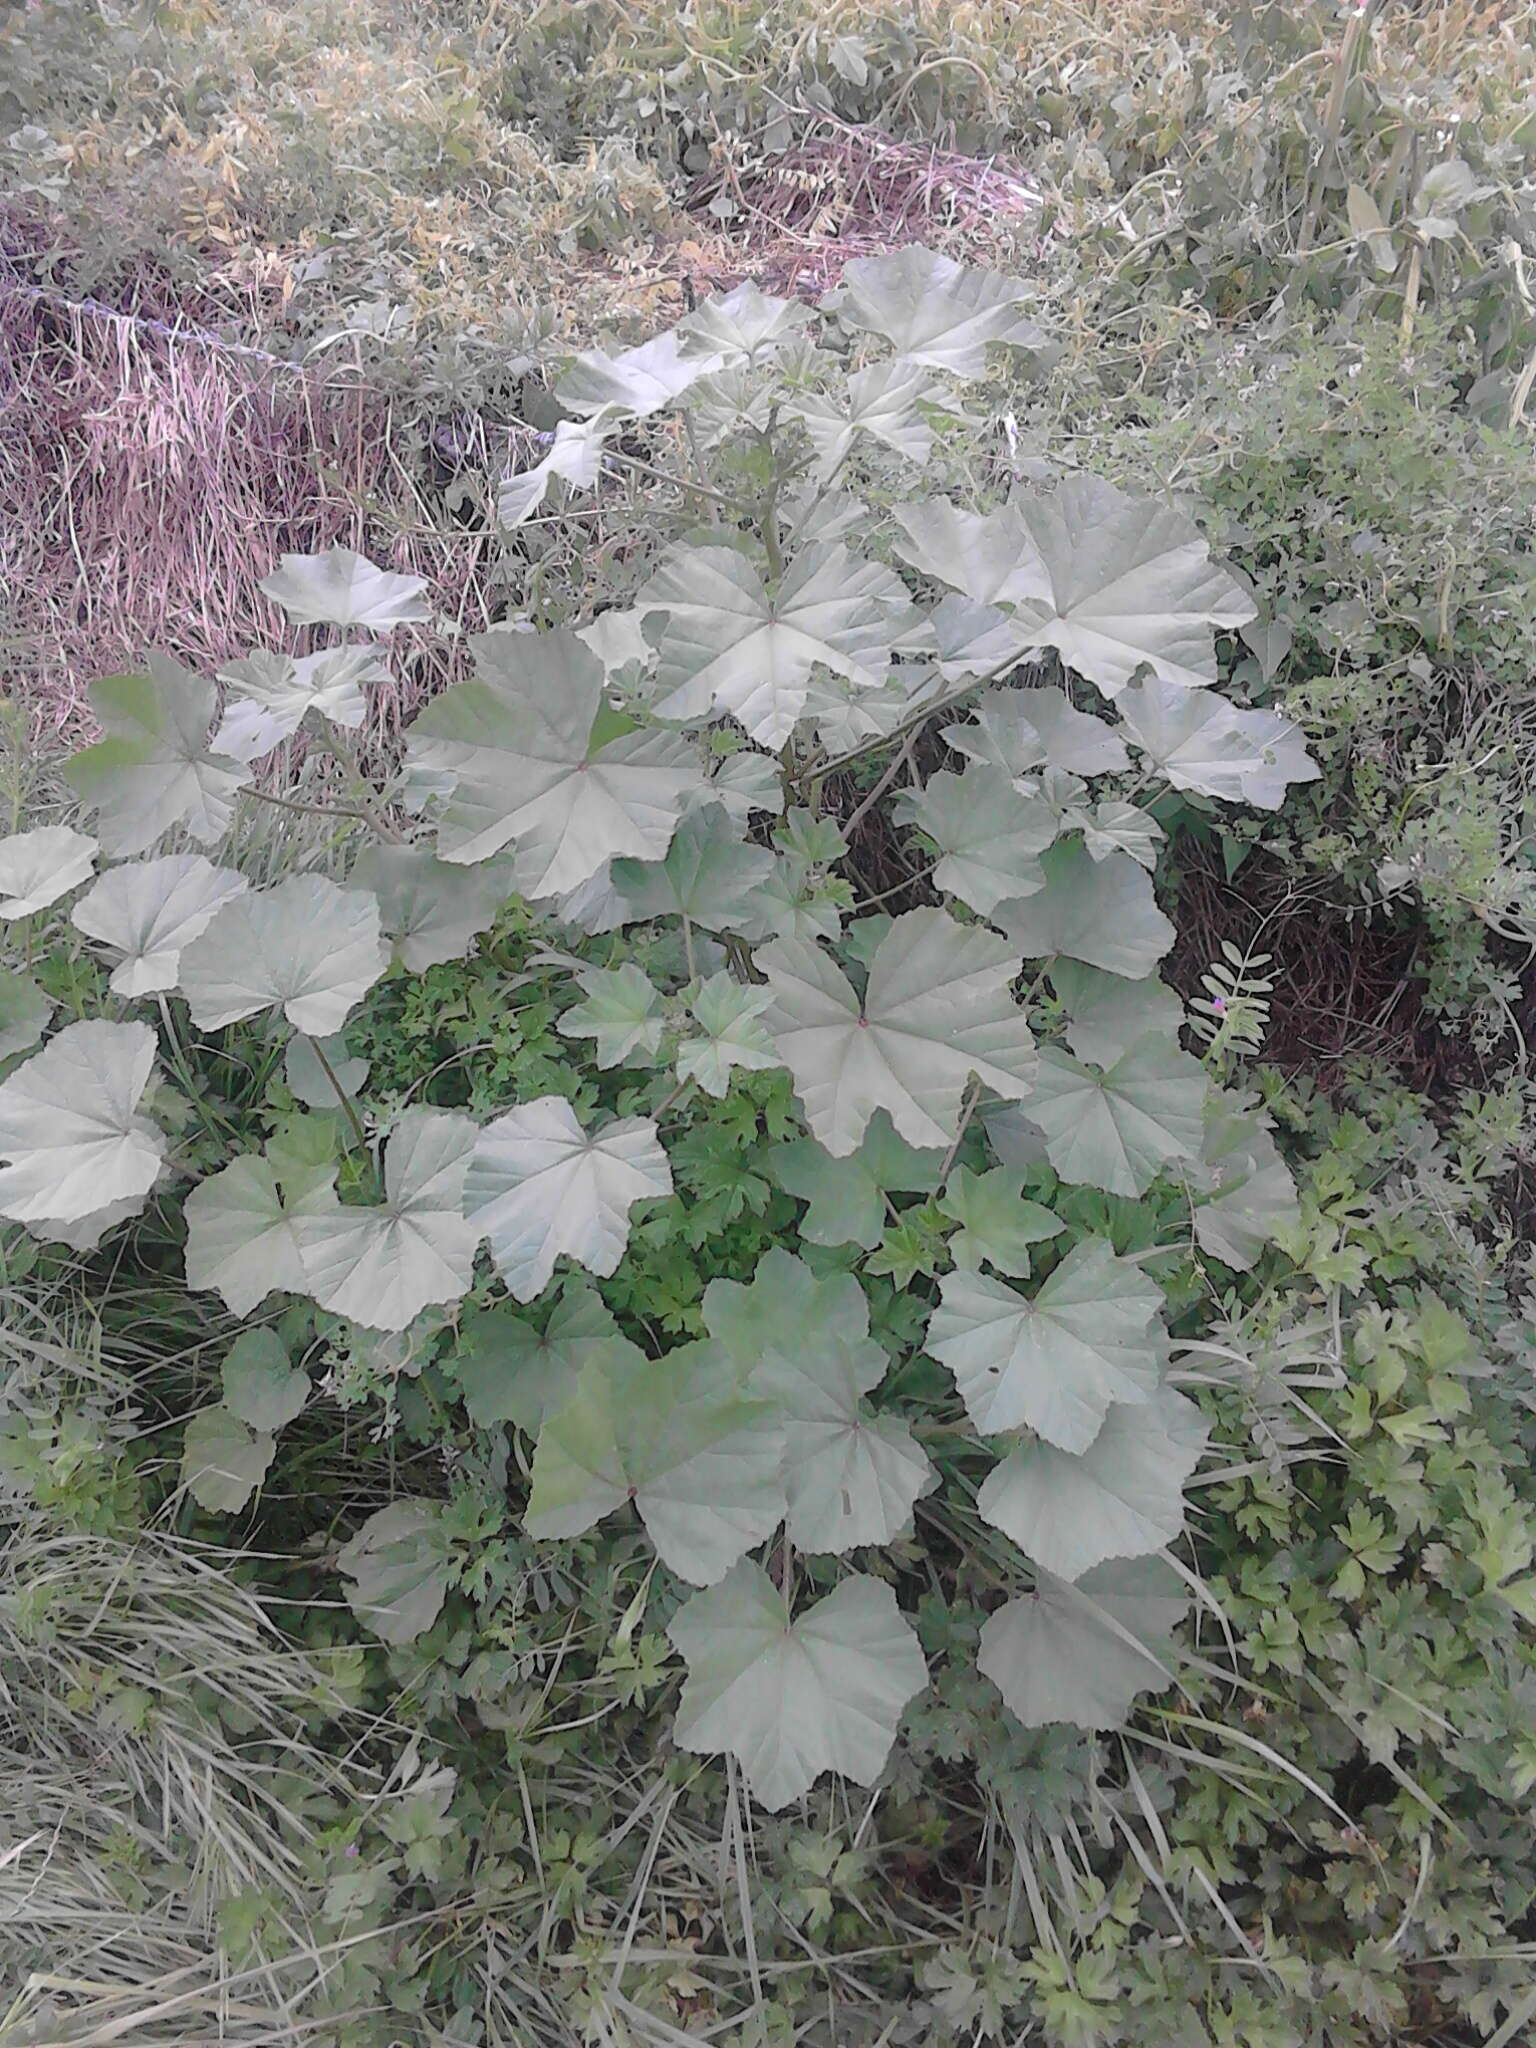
280,1768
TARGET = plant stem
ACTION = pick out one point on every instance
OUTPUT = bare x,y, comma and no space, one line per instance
696,460
1333,121
674,1095
292,803
967,1111
348,1105
769,516
910,881
208,1116
349,762
903,755
737,505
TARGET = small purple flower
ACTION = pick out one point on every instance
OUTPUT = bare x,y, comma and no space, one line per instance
1218,1004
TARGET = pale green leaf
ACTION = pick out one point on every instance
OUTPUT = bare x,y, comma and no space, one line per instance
639,381
1122,1497
996,1223
937,1011
742,325
382,1265
24,1012
1102,912
986,556
708,876
398,1563
307,1079
883,401
1022,730
1444,191
621,1015
430,910
850,1476
847,1195
303,1152
540,1187
617,638
1018,1143
1107,1015
1125,582
147,911
1367,225
576,457
1090,1337
511,1372
675,1436
398,1354
271,694
797,901
303,946
1117,1127
261,1387
819,842
934,310
593,907
37,868
1201,742
991,837
534,767
746,782
340,588
85,1233
791,1699
785,1308
864,938
243,1224
729,1015
223,1460
737,400
1081,1653
155,768
71,1138
972,639
1112,582
726,644
1114,826
848,712
1244,1193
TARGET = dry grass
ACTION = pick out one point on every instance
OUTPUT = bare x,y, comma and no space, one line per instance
798,215
278,176
162,477
165,469
163,1746
132,1811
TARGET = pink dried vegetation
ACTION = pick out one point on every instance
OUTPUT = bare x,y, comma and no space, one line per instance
799,214
151,480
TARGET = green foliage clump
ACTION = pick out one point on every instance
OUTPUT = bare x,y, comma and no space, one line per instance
679,1215
1381,518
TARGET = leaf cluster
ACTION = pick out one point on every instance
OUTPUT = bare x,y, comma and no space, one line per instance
550,1196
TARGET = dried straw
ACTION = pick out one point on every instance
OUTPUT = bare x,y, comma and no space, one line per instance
153,471
153,474
842,192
